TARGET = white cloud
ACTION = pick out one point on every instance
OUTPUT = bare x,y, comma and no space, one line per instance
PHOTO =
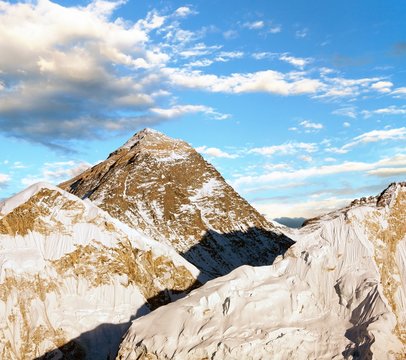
4,179
184,11
346,124
254,25
382,86
324,170
337,87
181,110
302,33
19,165
56,172
201,63
268,81
225,56
388,172
390,110
199,49
295,61
346,111
262,55
275,29
230,34
284,149
377,135
399,92
311,125
71,57
215,152
337,150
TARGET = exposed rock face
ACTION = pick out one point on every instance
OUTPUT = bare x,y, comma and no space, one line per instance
71,277
166,189
338,293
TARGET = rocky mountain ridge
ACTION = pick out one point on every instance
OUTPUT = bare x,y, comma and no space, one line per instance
67,268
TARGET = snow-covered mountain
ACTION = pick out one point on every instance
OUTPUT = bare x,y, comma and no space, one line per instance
72,277
166,189
338,293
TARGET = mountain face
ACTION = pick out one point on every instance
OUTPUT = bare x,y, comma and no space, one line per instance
338,293
167,190
72,277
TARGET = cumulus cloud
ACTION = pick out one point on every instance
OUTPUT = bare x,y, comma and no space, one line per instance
215,152
268,81
382,86
184,11
63,81
56,172
60,82
295,61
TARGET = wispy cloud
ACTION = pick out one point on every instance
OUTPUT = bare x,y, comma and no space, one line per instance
302,33
284,149
390,110
349,111
311,125
254,25
399,92
377,135
181,110
398,161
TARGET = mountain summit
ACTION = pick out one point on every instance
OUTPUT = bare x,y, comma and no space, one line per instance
163,187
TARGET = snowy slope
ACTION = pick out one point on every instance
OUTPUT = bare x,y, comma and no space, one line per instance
165,188
339,292
68,271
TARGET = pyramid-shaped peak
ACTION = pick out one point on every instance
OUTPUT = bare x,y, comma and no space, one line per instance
148,137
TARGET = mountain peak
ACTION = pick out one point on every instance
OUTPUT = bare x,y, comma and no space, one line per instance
147,136
163,187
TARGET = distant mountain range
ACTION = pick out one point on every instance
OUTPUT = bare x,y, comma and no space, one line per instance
155,221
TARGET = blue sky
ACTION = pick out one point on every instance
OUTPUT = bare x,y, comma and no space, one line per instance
299,104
